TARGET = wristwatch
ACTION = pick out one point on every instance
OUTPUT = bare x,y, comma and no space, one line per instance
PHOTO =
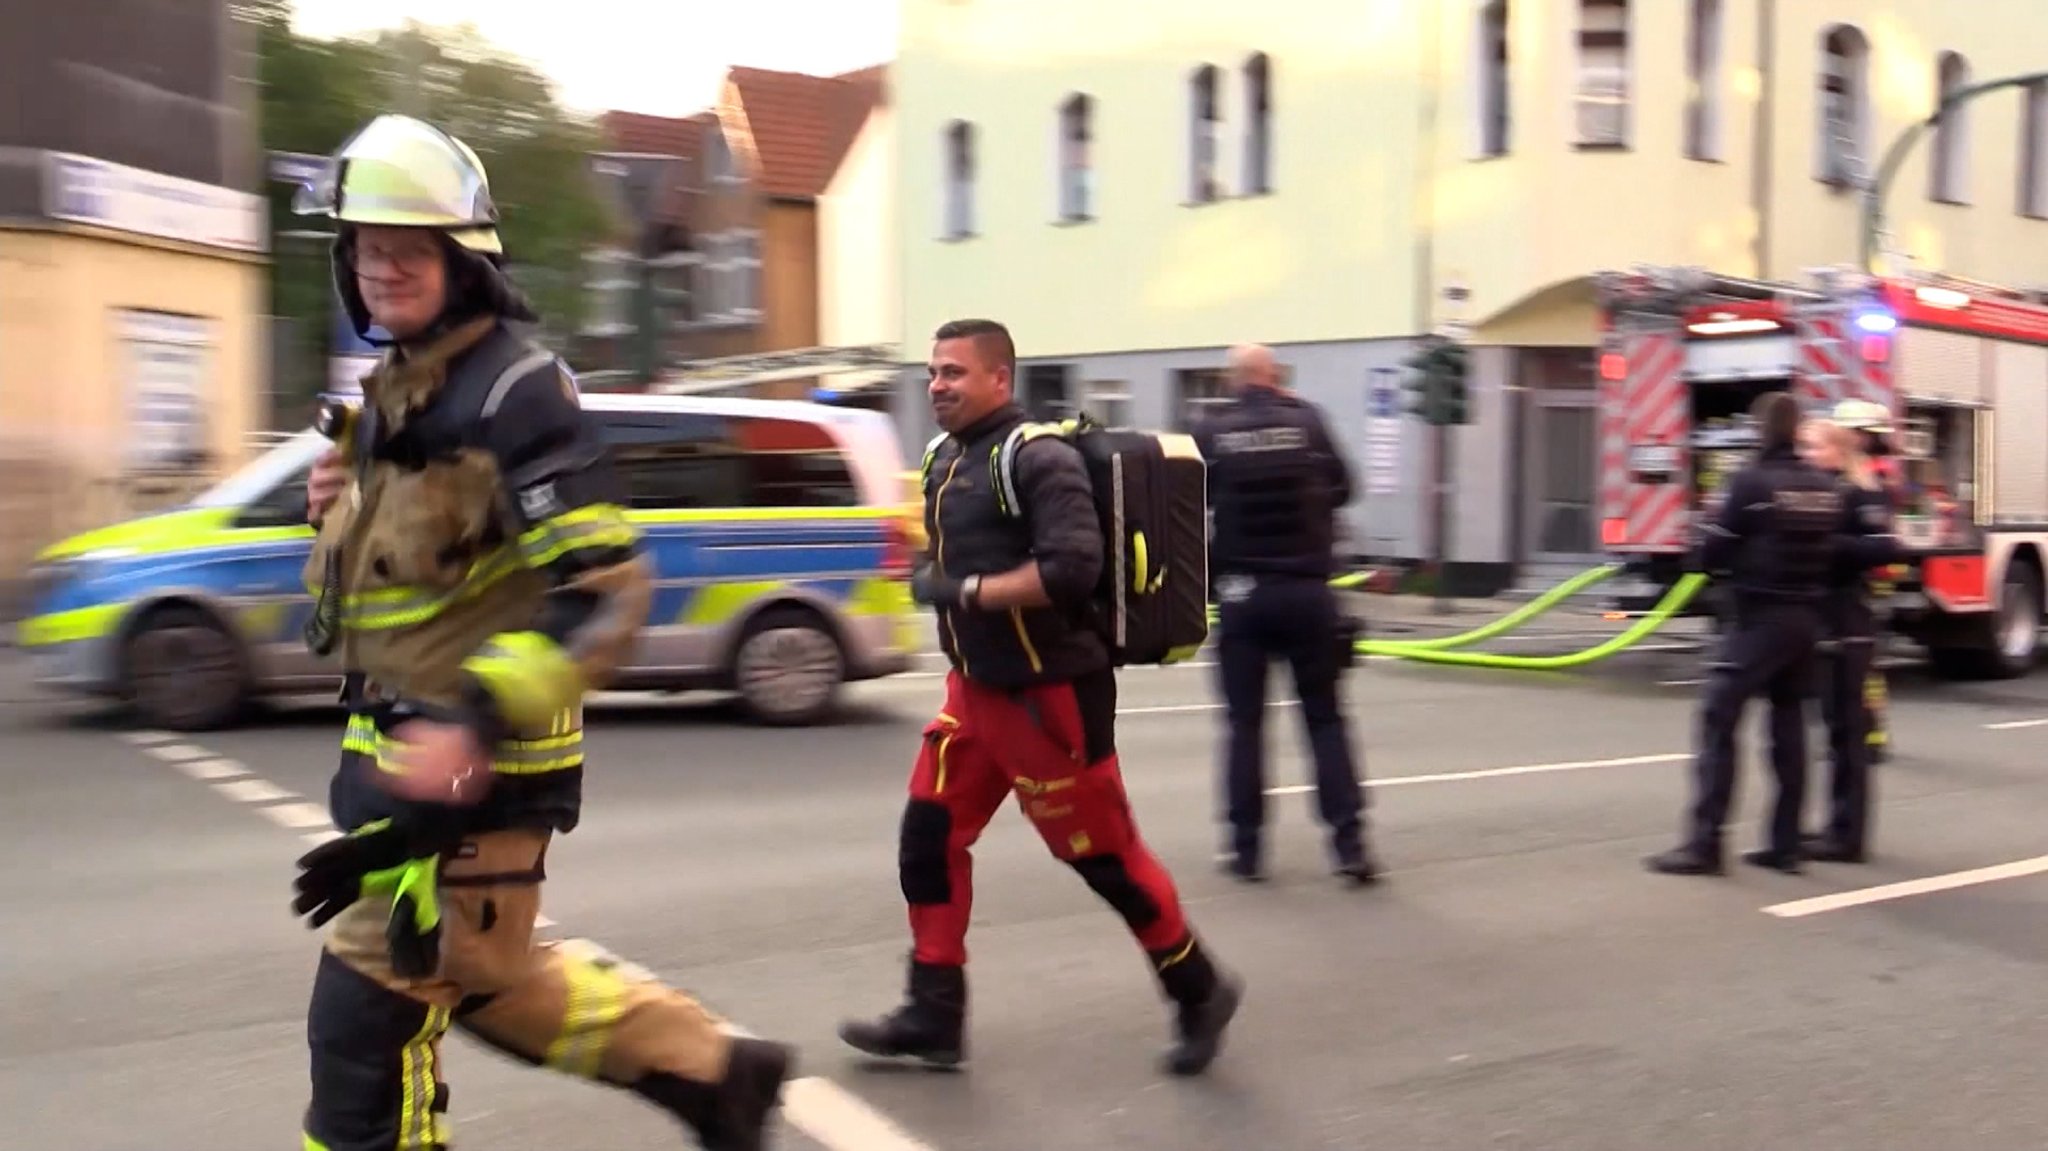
970,591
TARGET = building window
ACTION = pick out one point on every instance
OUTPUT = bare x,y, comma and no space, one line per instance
1705,36
1197,391
1844,105
718,162
1492,73
1949,159
2034,152
610,285
1108,402
1258,129
717,293
744,264
1601,99
1205,134
959,180
1077,177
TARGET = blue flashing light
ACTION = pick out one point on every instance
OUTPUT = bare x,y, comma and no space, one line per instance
1877,322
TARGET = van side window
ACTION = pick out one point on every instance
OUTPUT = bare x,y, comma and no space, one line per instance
283,506
728,462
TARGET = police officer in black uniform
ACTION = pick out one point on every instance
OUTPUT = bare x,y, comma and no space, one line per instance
1275,484
1776,536
1834,447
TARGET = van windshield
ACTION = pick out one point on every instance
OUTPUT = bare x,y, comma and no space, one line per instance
260,476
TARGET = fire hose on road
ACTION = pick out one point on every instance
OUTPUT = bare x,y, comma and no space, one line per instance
1441,649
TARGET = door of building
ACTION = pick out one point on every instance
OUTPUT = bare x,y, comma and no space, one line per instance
1561,484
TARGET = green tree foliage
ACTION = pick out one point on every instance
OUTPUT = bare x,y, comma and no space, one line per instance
315,93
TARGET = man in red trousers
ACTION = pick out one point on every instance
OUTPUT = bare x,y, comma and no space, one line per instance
1030,708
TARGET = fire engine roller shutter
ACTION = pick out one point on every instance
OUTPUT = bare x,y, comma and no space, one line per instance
2019,481
1937,365
1726,360
1648,408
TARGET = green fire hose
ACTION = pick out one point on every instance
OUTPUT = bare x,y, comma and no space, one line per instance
1680,594
1508,622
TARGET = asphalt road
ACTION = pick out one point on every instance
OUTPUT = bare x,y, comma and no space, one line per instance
1518,982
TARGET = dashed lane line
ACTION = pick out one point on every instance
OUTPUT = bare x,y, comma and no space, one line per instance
818,1107
1500,772
1800,908
2016,724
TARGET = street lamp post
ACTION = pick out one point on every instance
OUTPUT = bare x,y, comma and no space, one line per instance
1875,190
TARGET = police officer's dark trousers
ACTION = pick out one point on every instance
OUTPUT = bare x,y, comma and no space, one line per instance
1843,706
1293,618
1769,651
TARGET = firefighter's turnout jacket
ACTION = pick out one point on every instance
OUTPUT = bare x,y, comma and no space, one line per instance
480,569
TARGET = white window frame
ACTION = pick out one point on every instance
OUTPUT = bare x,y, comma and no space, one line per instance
609,284
1108,402
1257,78
956,180
1074,158
1948,154
2033,152
1705,64
716,145
1601,91
1493,90
744,266
1205,135
1842,151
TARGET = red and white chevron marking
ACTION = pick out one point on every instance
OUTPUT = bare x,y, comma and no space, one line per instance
1659,413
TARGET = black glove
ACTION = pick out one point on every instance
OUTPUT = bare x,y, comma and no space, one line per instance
396,858
932,588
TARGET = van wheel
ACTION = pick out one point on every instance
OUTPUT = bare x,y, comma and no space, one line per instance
182,670
788,667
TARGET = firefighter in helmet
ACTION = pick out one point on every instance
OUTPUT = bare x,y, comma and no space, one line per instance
1870,425
1836,446
476,574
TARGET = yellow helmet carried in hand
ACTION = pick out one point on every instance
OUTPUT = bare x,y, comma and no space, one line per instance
399,172
1863,416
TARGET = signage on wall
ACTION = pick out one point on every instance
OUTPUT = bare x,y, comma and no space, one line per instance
82,190
1383,422
166,358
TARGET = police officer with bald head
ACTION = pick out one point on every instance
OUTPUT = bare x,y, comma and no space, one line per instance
1276,481
1775,539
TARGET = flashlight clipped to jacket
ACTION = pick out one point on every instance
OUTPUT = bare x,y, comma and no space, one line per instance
336,421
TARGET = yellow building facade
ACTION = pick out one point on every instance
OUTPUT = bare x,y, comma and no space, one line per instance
133,347
1135,186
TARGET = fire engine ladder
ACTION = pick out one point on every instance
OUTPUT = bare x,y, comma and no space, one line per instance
1829,354
731,375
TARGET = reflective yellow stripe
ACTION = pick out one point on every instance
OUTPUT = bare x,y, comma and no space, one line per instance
419,1125
308,1143
939,786
595,526
386,609
1024,637
557,752
70,626
597,999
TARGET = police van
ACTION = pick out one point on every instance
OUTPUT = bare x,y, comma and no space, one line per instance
781,550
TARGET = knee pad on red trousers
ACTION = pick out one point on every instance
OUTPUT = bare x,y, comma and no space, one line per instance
921,853
1109,877
375,1070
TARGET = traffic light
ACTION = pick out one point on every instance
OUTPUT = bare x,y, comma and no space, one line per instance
1436,384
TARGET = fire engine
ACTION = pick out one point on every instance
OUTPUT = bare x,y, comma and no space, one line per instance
1962,367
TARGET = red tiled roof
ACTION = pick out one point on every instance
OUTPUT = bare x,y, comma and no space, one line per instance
661,136
802,125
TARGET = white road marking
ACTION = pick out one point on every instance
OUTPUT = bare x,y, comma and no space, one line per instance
1680,682
209,769
325,835
832,1116
1500,772
177,752
298,816
1184,708
2016,724
253,790
1800,908
145,738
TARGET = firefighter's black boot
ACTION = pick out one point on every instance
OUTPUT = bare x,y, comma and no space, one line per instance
731,1115
1205,1000
930,1026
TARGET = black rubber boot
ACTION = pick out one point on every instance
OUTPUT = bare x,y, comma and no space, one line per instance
731,1115
930,1026
1206,1000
